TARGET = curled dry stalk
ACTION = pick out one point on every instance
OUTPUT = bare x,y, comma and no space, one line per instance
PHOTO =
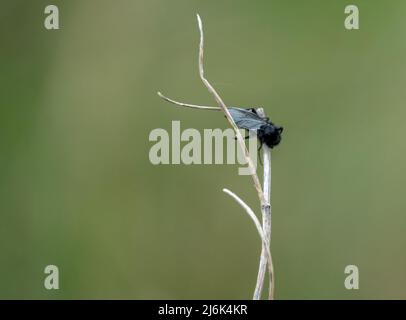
264,230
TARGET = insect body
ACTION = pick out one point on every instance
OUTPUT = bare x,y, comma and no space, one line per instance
247,119
266,131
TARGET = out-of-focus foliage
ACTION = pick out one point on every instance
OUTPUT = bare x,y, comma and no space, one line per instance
77,189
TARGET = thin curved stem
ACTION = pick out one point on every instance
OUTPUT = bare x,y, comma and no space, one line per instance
263,192
254,218
187,105
222,105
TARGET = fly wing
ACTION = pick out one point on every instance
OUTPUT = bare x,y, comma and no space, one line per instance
246,119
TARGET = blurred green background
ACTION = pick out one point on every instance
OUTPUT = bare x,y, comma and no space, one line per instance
77,189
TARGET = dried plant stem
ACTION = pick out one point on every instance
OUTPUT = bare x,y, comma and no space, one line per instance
254,218
222,105
267,227
188,105
263,193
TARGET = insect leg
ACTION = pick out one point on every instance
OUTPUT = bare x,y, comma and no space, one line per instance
259,154
245,138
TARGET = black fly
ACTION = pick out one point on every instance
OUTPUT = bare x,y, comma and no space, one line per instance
266,131
247,119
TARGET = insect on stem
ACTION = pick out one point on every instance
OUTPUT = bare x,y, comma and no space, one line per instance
237,118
